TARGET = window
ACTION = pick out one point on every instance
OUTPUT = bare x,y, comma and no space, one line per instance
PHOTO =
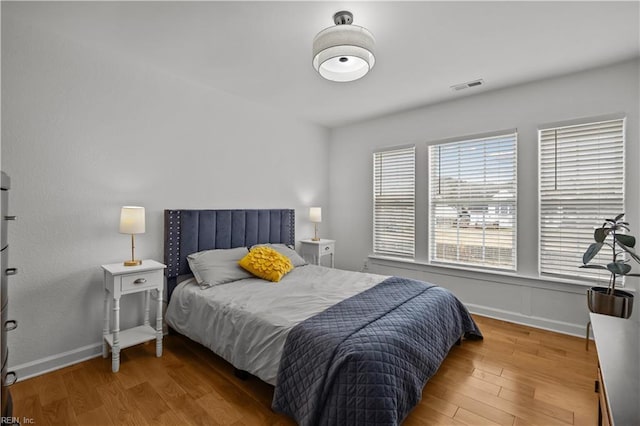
472,211
581,173
394,202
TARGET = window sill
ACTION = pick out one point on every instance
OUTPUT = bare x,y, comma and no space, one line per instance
478,274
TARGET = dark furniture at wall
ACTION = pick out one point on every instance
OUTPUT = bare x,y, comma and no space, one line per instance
8,377
618,385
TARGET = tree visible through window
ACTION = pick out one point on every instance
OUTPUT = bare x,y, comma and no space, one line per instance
472,211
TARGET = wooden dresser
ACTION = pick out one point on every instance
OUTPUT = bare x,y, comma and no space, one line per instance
618,344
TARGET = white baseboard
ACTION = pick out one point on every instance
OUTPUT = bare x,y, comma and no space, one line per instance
56,362
537,322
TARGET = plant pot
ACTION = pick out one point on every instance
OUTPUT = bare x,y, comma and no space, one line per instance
618,304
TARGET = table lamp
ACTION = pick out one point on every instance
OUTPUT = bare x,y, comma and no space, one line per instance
315,216
132,222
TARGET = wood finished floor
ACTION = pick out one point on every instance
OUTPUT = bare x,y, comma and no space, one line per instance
516,376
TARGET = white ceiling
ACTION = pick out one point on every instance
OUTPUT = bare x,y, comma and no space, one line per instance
261,51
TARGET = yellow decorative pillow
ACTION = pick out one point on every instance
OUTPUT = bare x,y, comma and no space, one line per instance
266,263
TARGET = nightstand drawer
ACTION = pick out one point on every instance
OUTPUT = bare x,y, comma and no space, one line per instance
314,250
327,248
140,280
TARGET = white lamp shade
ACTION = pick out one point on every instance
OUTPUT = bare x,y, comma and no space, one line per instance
132,220
315,214
343,53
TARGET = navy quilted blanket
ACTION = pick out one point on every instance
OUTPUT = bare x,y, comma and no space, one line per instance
365,360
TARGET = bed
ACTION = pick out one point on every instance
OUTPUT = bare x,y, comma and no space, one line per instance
340,347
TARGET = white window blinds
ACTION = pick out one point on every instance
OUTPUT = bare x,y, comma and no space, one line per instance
581,173
473,202
394,202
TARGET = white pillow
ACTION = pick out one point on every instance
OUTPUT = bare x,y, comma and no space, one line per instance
283,249
215,267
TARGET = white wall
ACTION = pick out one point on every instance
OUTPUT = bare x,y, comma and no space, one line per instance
523,297
86,131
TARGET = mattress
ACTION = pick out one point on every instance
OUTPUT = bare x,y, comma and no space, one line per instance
247,322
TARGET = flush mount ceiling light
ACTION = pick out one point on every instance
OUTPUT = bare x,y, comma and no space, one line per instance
343,52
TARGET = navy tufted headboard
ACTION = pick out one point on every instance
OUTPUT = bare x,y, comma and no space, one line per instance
190,231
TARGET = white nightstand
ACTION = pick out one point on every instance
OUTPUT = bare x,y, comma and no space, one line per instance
120,280
312,251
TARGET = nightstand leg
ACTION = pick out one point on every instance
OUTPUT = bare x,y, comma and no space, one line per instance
159,325
105,328
115,349
146,307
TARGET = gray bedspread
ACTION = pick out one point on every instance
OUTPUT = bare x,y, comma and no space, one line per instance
365,360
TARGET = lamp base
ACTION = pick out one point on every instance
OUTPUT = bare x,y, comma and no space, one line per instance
315,239
132,262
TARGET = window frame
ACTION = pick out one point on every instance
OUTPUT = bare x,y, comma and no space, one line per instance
431,256
577,273
375,242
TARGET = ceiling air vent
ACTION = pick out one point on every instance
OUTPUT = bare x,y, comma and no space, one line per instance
467,85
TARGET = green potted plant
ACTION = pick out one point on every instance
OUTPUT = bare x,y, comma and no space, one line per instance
608,300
